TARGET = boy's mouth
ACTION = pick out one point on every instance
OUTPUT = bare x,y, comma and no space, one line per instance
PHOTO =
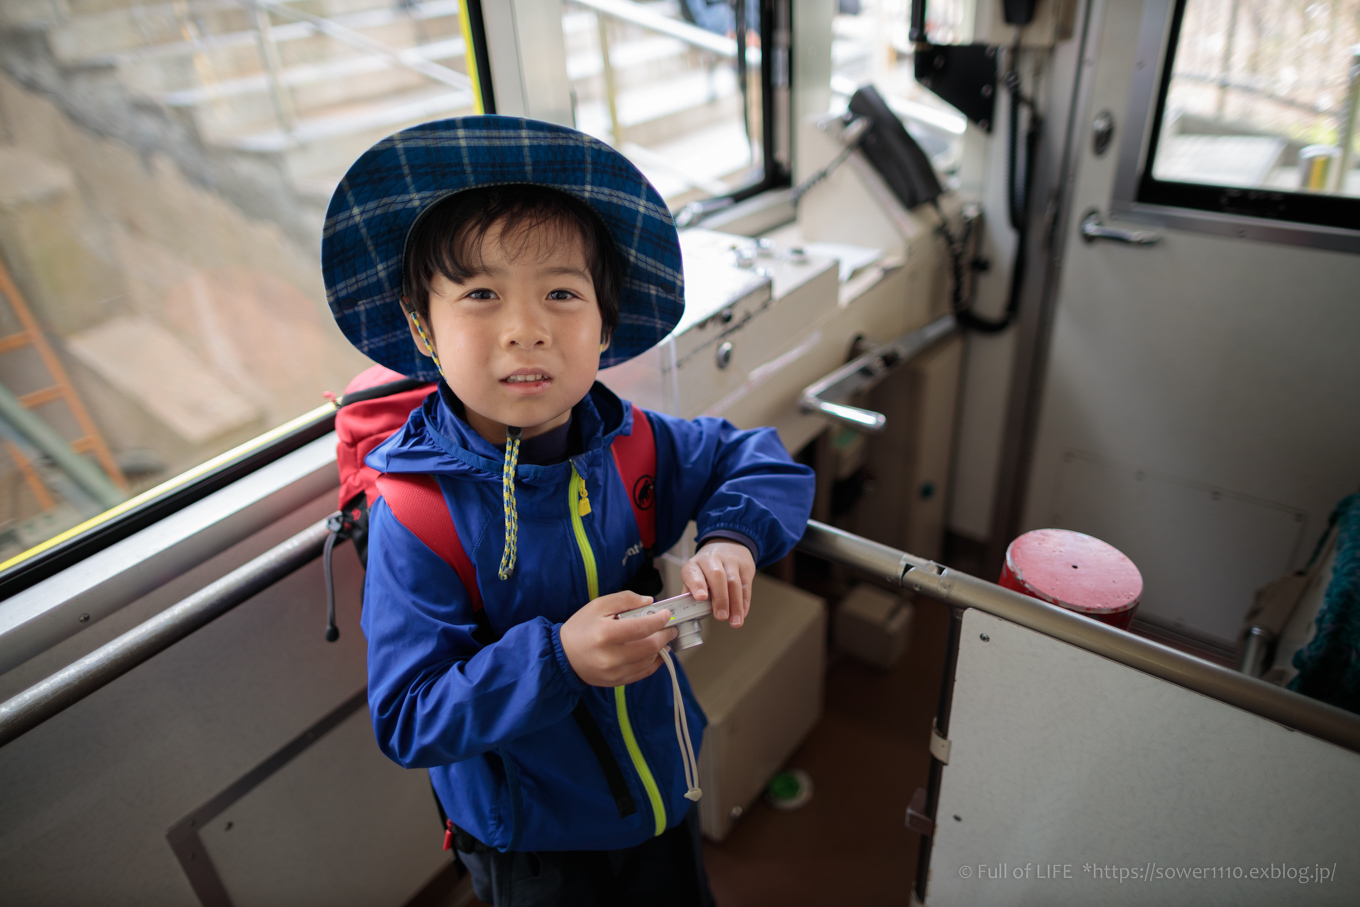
527,382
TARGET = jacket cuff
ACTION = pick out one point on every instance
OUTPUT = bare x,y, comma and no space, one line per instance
731,535
574,683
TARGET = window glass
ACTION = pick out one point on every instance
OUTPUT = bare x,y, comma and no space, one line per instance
663,83
871,44
164,172
1263,95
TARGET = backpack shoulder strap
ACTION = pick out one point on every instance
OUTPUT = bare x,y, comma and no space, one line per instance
635,457
418,504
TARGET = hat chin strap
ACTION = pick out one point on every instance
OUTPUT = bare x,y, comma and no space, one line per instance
508,468
429,345
512,440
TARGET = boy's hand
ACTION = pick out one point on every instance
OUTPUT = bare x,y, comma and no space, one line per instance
605,652
722,571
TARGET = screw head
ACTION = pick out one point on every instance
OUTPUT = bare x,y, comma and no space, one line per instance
84,618
724,354
984,637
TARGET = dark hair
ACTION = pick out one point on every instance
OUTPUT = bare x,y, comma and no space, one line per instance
447,239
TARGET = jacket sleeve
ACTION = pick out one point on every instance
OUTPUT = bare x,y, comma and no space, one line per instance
435,694
727,479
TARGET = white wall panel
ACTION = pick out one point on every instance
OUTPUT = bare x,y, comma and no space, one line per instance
1061,758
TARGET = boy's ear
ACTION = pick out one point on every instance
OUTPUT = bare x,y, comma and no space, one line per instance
419,341
604,344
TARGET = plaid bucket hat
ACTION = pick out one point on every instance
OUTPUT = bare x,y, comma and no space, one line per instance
395,181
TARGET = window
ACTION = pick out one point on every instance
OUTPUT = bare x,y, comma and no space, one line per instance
871,44
664,83
1256,111
164,172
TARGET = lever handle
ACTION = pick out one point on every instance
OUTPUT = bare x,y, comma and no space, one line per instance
1092,229
865,420
823,398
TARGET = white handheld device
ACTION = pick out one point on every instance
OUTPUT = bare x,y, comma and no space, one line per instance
685,616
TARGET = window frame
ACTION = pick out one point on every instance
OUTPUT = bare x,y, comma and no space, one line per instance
1295,218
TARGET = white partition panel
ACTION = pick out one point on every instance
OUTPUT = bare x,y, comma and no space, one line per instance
1073,779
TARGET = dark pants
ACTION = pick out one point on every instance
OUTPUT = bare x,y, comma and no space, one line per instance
666,871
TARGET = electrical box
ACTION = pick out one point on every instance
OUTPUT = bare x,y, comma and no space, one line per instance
1053,22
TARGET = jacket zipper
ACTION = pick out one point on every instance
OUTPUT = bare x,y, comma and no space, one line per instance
578,504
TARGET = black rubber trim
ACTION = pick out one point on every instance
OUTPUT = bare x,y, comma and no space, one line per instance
613,774
384,390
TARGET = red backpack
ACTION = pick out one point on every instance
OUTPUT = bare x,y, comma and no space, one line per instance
376,404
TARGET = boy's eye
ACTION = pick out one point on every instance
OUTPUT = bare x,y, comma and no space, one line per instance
481,294
561,295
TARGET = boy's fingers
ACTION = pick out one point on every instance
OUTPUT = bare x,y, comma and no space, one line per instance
694,581
642,650
736,596
633,629
716,576
609,605
646,671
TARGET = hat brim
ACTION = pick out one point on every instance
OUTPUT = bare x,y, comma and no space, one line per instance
395,181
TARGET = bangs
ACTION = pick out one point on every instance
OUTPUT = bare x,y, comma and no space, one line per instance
450,236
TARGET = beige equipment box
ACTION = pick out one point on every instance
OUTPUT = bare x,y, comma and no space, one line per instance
761,687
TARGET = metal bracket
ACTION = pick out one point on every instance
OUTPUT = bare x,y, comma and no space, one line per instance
964,75
939,745
863,372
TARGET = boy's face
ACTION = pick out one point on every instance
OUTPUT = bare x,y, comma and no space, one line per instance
519,343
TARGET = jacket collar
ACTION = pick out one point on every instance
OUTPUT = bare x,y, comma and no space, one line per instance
435,441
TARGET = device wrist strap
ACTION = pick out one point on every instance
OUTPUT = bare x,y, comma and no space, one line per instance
682,732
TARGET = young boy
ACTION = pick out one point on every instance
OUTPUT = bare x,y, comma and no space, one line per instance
510,260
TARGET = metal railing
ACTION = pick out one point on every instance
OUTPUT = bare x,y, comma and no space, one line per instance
115,658
960,590
68,686
719,46
693,35
273,67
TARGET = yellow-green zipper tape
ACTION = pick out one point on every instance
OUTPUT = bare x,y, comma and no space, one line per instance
576,498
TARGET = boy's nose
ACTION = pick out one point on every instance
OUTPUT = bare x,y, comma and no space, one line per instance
525,328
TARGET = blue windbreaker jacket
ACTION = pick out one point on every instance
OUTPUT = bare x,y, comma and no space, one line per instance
493,720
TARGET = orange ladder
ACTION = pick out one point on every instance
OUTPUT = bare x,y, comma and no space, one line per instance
90,441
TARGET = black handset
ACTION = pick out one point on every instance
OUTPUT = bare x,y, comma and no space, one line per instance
893,152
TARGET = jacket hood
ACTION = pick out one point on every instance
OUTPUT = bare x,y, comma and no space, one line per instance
435,441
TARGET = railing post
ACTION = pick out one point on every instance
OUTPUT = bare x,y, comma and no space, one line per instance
611,94
273,66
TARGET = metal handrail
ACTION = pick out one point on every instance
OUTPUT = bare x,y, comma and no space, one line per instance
1266,700
84,676
73,683
692,35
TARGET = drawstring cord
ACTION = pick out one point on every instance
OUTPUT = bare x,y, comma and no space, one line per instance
508,498
682,732
512,440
